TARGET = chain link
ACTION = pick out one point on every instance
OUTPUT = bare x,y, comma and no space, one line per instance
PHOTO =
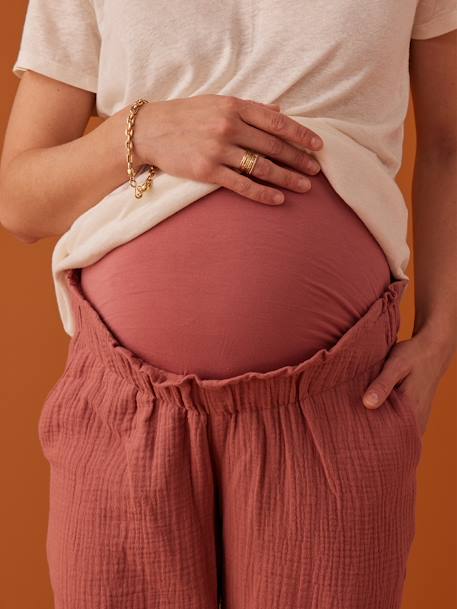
139,188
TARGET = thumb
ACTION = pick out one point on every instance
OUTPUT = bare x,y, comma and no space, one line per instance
379,389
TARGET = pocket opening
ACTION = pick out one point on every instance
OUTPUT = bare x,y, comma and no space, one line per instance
409,406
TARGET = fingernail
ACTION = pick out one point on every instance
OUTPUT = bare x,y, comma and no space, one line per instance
371,398
278,198
316,142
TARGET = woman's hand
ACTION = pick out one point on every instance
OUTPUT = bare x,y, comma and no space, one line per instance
418,363
204,138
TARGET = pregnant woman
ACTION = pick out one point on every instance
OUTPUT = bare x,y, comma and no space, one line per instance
213,440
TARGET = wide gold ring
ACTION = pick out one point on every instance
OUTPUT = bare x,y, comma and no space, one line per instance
248,161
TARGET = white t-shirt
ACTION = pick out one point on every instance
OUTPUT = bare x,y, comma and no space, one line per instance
339,67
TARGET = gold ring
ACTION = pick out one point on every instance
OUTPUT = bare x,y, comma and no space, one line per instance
248,162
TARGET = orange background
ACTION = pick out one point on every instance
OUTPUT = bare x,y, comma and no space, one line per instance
34,348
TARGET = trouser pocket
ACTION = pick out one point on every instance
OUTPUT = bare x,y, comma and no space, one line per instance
409,406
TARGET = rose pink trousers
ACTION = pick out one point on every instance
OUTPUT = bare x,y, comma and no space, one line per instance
274,489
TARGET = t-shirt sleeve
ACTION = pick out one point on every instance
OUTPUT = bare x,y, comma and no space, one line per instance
61,39
433,18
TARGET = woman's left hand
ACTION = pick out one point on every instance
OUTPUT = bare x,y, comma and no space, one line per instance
418,364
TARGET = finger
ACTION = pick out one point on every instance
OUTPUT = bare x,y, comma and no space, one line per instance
276,148
267,170
379,389
279,124
246,187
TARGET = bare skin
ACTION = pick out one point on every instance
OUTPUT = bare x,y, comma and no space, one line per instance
421,361
204,138
200,138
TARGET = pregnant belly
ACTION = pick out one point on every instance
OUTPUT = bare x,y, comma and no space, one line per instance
228,285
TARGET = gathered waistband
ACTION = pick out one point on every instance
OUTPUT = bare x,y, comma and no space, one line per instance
362,346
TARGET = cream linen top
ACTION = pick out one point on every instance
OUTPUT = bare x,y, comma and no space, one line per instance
339,67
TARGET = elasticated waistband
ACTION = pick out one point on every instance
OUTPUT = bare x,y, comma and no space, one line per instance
362,346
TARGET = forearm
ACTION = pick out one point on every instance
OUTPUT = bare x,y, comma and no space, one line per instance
43,190
435,251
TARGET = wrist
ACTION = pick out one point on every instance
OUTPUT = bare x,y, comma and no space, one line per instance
436,336
139,137
116,124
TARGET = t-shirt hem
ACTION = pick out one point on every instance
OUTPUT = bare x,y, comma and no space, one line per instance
440,24
67,74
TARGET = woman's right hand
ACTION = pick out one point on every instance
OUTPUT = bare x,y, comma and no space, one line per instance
204,138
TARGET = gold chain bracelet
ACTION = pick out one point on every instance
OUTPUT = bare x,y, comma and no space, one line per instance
139,189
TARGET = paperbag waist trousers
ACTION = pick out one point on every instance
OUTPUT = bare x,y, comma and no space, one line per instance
266,490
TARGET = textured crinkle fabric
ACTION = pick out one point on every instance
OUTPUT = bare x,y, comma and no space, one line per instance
266,490
334,67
